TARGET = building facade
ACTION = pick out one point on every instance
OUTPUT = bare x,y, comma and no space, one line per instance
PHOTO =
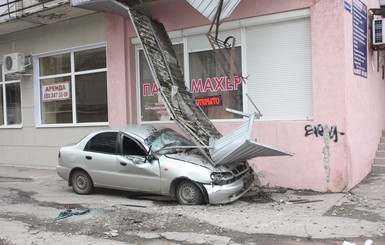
33,125
310,70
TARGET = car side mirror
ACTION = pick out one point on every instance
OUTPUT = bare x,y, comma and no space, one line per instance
149,156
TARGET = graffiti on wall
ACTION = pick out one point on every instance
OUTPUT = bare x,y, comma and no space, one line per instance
320,130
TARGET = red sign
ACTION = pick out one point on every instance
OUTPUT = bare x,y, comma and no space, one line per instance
215,84
200,85
209,101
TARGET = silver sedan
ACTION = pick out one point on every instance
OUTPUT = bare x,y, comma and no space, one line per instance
151,159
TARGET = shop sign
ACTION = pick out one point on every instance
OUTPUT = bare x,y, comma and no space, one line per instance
215,84
209,101
158,107
57,91
360,47
200,85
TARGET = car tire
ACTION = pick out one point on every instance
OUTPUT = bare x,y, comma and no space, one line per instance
82,183
188,193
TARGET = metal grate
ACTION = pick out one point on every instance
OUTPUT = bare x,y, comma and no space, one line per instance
378,35
17,8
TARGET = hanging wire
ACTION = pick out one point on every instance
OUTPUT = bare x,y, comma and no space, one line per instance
224,52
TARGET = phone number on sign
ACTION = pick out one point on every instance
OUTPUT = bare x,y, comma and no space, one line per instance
56,96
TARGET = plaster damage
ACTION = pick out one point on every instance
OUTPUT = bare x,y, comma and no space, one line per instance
326,153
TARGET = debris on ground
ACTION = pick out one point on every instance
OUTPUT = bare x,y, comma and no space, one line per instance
255,196
68,213
129,205
157,198
4,241
111,233
298,201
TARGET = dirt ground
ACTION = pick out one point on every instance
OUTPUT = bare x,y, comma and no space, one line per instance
43,210
122,222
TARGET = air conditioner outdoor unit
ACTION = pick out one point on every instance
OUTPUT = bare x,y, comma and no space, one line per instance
378,31
13,63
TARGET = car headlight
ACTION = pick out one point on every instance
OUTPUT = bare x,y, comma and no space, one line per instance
221,178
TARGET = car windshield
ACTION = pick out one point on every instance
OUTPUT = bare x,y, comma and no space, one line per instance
167,141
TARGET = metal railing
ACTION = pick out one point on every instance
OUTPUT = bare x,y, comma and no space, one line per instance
18,8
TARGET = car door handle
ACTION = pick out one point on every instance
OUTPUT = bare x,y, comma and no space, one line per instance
123,163
88,157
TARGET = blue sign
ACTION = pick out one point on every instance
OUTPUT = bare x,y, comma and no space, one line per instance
360,42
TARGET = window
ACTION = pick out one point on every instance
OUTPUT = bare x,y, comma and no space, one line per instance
166,141
103,143
10,101
73,87
131,147
152,107
1,106
272,52
213,90
279,67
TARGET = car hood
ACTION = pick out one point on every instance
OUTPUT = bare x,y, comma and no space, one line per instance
196,159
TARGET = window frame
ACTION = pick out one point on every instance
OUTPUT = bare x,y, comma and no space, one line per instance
72,74
181,36
122,136
243,85
3,83
87,147
139,48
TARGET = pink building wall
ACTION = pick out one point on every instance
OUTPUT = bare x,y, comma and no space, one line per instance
352,104
365,109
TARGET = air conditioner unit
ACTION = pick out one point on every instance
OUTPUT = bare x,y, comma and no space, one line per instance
378,31
13,63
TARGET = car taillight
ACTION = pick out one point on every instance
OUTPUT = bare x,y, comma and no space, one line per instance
58,155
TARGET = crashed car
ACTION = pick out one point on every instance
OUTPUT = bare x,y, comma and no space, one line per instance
151,159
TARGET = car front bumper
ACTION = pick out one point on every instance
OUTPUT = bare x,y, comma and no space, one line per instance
222,194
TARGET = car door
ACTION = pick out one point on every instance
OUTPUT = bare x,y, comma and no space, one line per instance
100,158
135,171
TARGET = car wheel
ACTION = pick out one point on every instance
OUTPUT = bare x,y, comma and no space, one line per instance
82,183
188,192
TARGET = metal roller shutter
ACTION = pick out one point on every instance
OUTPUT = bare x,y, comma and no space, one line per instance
279,68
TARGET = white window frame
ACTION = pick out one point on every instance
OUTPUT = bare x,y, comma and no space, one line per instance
4,83
139,48
181,36
72,74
